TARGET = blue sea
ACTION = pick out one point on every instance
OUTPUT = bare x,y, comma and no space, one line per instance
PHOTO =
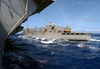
22,52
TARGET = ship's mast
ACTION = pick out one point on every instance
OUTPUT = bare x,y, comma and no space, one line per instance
47,19
27,25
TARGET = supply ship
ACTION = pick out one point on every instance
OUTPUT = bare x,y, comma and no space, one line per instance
56,32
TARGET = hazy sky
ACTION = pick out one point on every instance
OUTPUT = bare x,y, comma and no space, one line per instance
80,15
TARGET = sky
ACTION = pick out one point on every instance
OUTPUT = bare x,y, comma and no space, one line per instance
79,15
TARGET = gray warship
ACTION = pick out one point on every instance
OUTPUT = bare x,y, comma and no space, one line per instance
15,12
56,32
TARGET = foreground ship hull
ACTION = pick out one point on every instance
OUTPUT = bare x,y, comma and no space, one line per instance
14,12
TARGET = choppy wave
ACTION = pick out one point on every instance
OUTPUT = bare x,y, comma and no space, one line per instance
22,52
94,40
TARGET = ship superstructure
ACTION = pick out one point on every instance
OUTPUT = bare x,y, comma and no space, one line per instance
56,32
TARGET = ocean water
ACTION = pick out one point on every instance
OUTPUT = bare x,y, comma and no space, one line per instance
22,52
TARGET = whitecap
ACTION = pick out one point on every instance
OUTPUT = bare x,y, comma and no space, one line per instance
63,44
33,37
66,40
19,36
94,40
91,47
52,53
24,37
80,45
53,39
94,48
47,42
42,38
43,61
37,38
45,45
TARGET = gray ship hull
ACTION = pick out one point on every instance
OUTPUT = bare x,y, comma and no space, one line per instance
74,37
14,12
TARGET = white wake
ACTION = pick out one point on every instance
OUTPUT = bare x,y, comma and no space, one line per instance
94,40
48,42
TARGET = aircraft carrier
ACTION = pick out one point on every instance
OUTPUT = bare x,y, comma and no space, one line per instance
56,32
15,12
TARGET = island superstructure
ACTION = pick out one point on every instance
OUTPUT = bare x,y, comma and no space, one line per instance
56,32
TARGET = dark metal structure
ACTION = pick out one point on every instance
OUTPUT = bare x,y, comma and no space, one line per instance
14,12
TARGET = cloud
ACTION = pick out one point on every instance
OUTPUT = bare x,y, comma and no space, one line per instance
63,14
92,20
84,3
79,2
87,30
92,30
